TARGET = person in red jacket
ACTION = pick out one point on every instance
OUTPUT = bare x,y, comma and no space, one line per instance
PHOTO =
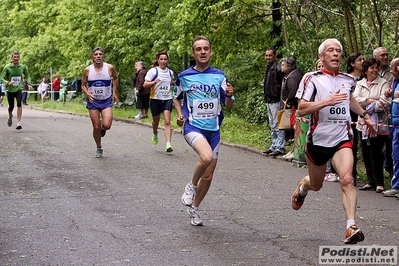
56,85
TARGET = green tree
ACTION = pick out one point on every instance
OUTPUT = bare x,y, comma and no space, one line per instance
62,34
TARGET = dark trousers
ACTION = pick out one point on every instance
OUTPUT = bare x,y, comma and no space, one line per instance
24,97
374,159
56,95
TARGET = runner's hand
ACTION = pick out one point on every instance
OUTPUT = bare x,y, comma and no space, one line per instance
336,98
371,127
115,98
180,120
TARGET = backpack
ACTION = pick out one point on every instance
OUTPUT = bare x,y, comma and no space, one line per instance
152,89
156,74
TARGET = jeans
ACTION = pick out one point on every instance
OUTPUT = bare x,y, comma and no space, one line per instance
395,158
278,136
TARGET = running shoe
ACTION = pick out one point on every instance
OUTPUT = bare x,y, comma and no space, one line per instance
168,148
289,156
99,153
103,131
297,198
195,217
9,121
155,138
188,195
331,177
19,126
353,235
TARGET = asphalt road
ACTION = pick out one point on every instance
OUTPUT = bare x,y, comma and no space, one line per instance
62,206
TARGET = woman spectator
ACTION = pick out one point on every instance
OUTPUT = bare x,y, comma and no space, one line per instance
318,65
134,78
354,68
143,94
369,92
289,87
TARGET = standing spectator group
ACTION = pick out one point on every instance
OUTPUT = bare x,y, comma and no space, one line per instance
375,82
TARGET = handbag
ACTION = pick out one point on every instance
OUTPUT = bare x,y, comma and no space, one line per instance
284,118
383,121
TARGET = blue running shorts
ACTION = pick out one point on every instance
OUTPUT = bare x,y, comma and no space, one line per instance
191,134
99,104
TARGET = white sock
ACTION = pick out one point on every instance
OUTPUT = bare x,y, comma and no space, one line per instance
349,223
195,187
167,143
303,191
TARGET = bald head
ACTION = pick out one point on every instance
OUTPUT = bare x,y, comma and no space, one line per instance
394,67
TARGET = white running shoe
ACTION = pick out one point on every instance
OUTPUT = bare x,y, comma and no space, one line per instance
289,156
331,177
194,215
99,153
188,195
19,126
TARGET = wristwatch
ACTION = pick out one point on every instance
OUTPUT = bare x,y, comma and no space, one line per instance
362,115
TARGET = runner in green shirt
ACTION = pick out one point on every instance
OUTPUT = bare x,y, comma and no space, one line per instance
12,76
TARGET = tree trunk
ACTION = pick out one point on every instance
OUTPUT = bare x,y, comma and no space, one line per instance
287,43
396,28
276,30
347,26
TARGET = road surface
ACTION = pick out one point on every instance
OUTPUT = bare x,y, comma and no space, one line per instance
62,206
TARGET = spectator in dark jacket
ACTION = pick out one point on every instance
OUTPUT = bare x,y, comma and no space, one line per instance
272,92
290,82
289,87
143,94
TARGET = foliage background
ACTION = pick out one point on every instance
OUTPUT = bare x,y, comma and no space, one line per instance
60,34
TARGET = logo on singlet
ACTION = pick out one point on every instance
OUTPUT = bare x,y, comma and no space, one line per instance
205,89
